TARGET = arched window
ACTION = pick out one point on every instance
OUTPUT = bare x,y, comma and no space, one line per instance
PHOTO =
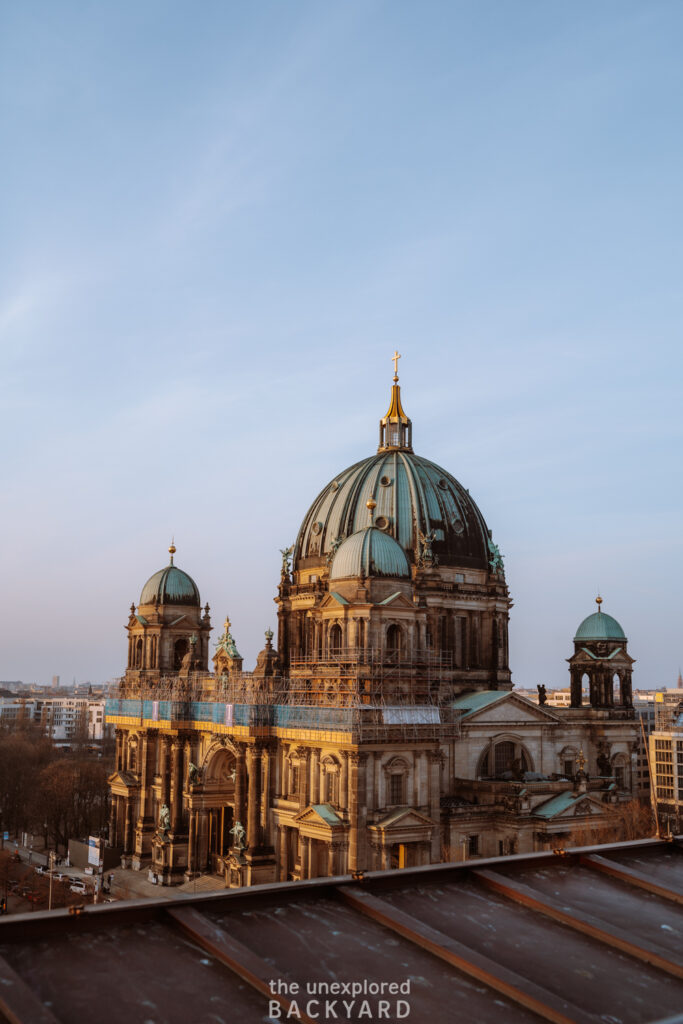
330,781
138,652
620,772
335,639
396,779
394,639
616,688
505,759
585,688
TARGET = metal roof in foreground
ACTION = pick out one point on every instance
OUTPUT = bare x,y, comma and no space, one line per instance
594,935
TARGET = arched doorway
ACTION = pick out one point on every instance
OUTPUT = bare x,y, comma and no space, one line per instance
215,813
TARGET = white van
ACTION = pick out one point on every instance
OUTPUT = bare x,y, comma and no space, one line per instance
78,885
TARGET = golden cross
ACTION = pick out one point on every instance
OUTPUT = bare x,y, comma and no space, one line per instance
226,624
581,760
395,359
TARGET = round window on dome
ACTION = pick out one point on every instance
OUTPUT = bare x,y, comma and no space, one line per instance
382,522
443,484
386,481
334,486
316,528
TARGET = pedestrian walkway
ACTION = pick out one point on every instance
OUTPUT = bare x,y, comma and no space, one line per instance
126,884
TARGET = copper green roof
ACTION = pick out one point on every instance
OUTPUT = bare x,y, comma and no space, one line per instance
170,586
412,495
370,552
600,626
470,703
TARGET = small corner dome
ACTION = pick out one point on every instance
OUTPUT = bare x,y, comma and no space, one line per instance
170,586
370,552
600,626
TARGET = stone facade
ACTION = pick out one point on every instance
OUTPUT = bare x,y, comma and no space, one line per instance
383,731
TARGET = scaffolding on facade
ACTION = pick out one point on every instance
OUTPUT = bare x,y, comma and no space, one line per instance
364,697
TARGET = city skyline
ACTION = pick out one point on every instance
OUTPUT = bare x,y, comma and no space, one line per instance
217,234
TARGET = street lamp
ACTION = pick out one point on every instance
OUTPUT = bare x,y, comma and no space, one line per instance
51,869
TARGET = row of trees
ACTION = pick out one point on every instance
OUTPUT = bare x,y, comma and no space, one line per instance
45,791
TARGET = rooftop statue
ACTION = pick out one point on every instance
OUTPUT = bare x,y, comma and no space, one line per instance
226,643
286,557
496,559
426,541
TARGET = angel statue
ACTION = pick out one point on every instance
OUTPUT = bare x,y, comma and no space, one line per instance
426,541
496,559
164,818
286,556
238,832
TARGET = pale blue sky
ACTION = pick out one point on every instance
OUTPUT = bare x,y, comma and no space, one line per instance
220,219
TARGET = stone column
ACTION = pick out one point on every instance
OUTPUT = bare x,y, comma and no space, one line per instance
266,799
254,770
315,776
128,828
164,771
303,755
330,859
145,797
357,811
283,857
435,759
575,687
202,840
305,857
176,785
240,787
344,781
191,843
113,810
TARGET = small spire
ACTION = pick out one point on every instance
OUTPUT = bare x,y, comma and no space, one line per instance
395,428
598,601
371,505
172,549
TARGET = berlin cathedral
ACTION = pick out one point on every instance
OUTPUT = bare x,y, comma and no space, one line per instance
382,730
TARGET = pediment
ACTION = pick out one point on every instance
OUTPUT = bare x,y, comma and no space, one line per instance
612,653
570,805
321,815
397,600
334,600
123,781
509,708
403,818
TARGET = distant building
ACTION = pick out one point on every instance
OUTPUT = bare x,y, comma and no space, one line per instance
666,758
64,719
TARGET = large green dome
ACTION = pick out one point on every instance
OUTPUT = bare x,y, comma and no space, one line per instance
170,586
600,626
369,553
413,496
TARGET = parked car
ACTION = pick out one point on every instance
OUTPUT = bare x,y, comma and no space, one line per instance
79,886
40,869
